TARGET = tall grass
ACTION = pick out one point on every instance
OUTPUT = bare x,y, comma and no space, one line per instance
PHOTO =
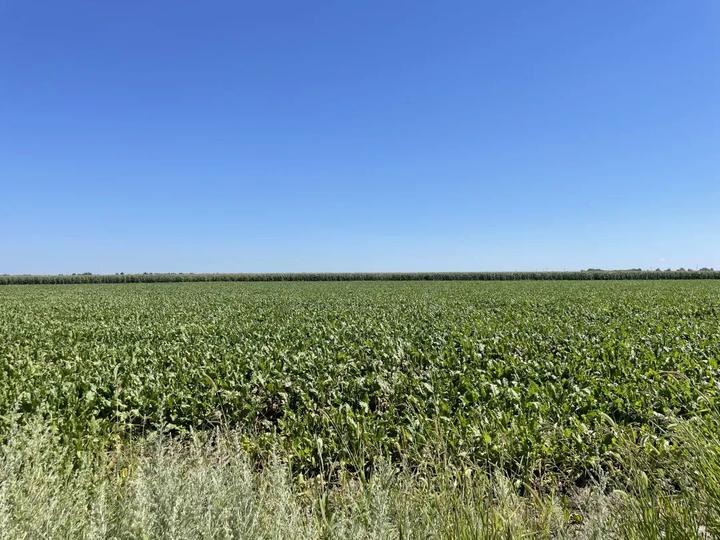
207,487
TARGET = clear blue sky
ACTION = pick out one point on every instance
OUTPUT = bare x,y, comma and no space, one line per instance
340,136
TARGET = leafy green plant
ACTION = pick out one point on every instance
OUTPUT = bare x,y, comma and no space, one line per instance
540,379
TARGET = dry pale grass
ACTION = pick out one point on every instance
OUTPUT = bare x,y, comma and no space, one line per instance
209,489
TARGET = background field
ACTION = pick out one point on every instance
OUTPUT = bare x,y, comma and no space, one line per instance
547,384
592,274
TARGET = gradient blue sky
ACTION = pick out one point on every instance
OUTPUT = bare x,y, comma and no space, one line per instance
341,136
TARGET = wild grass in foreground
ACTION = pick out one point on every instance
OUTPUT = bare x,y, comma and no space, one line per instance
209,488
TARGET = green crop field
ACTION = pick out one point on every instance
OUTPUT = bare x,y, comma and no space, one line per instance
552,389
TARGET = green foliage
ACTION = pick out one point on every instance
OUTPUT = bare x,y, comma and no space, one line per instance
538,379
590,274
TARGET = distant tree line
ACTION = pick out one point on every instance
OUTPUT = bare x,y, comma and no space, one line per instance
590,274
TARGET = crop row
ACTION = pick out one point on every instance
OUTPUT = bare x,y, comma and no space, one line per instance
591,275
